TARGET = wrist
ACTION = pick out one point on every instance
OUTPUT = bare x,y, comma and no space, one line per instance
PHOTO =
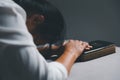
72,53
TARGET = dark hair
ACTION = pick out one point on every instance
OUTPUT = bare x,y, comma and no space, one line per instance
54,23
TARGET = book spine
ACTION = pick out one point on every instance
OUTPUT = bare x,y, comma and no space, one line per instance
98,53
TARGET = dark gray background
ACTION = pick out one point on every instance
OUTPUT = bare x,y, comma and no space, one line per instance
91,19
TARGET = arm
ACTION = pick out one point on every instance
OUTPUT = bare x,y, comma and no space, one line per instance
73,49
70,54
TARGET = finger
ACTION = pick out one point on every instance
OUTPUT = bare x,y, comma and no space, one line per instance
43,46
87,45
65,42
54,47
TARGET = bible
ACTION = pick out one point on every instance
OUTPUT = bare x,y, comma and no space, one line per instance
100,48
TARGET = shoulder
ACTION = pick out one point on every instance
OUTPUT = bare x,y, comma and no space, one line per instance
8,6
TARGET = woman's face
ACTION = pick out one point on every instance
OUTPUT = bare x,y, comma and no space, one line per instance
32,22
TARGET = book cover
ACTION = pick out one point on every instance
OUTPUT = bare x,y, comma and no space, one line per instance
100,48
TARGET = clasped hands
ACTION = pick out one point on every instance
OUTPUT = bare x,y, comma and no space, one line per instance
68,44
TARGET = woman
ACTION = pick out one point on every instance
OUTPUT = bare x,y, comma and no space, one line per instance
19,58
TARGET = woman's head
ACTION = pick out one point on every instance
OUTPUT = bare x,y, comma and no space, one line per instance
45,20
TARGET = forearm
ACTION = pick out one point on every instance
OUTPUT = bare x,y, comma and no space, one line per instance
67,59
73,49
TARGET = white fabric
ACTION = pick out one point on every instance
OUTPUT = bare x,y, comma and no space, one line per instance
104,68
19,58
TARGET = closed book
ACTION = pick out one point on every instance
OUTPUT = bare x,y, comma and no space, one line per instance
99,49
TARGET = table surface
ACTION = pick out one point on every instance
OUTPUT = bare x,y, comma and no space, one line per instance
104,68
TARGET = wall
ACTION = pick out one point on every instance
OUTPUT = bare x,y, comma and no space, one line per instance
91,19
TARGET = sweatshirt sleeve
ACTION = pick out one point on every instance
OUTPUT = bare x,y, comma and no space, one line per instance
20,58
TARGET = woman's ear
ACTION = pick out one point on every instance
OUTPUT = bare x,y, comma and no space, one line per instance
34,20
37,19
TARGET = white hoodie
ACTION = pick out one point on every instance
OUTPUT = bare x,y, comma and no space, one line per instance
19,58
